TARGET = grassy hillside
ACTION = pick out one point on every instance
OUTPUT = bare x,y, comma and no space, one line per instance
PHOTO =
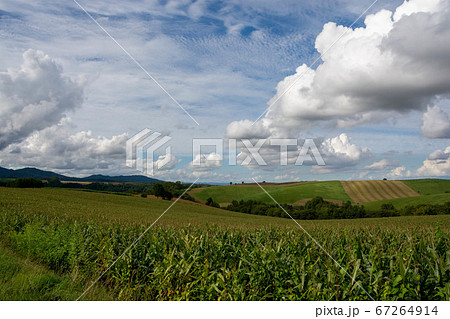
429,186
110,209
284,193
67,238
402,202
22,279
130,210
356,191
369,191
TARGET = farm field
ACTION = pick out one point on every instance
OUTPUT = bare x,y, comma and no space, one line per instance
409,201
202,253
116,209
429,186
358,192
283,193
368,191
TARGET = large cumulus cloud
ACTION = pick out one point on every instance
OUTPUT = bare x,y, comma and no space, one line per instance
396,63
34,97
57,147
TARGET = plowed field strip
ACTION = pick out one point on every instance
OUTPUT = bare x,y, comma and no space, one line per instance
369,191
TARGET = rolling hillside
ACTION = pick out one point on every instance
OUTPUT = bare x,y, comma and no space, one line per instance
129,210
429,186
369,191
412,192
412,201
283,193
109,210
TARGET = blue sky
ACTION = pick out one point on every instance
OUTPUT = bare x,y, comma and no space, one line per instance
223,61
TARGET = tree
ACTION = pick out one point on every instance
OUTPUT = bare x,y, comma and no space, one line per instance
54,182
167,195
212,203
159,191
314,203
388,210
25,183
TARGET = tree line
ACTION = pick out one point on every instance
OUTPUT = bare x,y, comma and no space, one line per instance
318,208
164,190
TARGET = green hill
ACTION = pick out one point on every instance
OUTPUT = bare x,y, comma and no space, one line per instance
429,186
109,209
375,192
283,193
130,210
413,201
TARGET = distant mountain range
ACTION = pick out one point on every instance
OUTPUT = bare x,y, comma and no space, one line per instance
40,174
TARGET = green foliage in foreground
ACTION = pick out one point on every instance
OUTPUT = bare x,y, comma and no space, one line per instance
20,279
219,263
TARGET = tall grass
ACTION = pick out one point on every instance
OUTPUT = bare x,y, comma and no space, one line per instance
219,263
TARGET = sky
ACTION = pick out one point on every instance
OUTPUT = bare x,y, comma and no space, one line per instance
367,82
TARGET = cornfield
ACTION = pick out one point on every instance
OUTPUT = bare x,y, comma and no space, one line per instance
220,263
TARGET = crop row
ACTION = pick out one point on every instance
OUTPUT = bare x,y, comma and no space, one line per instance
216,263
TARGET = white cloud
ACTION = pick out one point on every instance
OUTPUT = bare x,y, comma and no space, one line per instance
34,97
285,177
436,123
57,148
396,63
382,165
206,162
340,146
399,172
437,164
245,129
339,153
173,161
